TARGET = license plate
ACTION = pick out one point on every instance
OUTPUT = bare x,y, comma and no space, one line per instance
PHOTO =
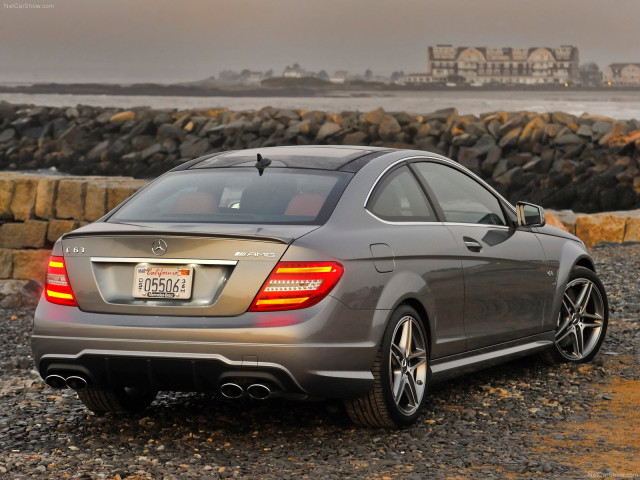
162,282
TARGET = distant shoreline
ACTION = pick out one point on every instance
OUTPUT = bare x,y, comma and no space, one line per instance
290,88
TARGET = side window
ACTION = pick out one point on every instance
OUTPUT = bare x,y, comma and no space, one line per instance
462,199
399,198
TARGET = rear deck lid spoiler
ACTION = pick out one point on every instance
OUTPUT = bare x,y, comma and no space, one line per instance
285,234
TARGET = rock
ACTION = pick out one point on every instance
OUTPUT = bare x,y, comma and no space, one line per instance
519,159
71,113
171,131
505,178
95,204
57,228
564,118
29,234
30,264
485,143
146,127
501,168
141,142
375,117
463,139
593,229
389,128
517,122
493,157
568,139
554,221
533,132
601,128
7,135
618,128
70,199
98,150
7,187
328,129
510,138
23,201
632,231
150,151
195,149
551,130
161,118
45,197
585,131
287,116
470,157
122,117
116,194
493,128
6,263
442,114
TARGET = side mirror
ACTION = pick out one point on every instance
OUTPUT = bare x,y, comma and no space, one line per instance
530,215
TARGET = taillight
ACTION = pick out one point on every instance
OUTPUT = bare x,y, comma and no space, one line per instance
57,288
294,285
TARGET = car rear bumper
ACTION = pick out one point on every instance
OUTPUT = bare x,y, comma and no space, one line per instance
326,350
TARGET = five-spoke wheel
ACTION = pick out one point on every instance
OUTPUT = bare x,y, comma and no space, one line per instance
582,320
400,374
408,365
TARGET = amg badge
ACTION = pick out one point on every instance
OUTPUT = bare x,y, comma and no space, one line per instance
255,254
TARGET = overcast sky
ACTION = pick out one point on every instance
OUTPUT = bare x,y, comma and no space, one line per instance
170,40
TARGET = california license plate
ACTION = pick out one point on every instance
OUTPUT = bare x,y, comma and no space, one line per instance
162,282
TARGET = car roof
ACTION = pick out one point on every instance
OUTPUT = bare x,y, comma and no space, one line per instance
320,157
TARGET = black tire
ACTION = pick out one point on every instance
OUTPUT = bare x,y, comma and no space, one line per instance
407,376
100,399
582,320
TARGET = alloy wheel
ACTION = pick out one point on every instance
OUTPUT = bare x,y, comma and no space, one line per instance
408,365
581,319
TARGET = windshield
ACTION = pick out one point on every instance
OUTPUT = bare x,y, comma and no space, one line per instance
238,195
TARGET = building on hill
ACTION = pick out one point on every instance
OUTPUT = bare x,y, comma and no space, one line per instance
622,75
500,65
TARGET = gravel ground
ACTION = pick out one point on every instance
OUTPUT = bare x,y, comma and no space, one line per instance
521,420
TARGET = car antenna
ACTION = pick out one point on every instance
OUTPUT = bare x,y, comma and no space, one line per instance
262,163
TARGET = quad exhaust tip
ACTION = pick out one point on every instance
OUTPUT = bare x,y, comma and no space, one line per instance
76,383
258,391
231,390
56,381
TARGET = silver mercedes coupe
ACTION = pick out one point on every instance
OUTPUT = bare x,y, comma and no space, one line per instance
357,273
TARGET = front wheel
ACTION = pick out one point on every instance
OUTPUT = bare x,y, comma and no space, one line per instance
582,320
400,375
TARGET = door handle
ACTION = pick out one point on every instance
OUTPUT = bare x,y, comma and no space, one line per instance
472,244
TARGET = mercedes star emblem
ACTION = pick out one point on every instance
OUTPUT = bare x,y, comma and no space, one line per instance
159,247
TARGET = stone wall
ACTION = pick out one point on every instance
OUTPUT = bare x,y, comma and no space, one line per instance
35,210
592,229
584,163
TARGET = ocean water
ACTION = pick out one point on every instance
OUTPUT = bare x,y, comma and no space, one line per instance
621,105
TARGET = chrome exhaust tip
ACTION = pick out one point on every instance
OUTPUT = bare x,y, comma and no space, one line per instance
231,390
258,391
76,383
56,381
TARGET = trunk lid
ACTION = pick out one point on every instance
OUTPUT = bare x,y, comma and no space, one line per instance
228,265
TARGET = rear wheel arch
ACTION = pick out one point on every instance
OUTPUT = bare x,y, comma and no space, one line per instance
422,312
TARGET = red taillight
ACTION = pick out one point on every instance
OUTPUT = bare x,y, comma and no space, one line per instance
294,285
57,288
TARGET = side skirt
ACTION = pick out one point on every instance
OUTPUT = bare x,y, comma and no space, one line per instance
452,366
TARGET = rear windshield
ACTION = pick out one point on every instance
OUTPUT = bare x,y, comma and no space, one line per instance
238,195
